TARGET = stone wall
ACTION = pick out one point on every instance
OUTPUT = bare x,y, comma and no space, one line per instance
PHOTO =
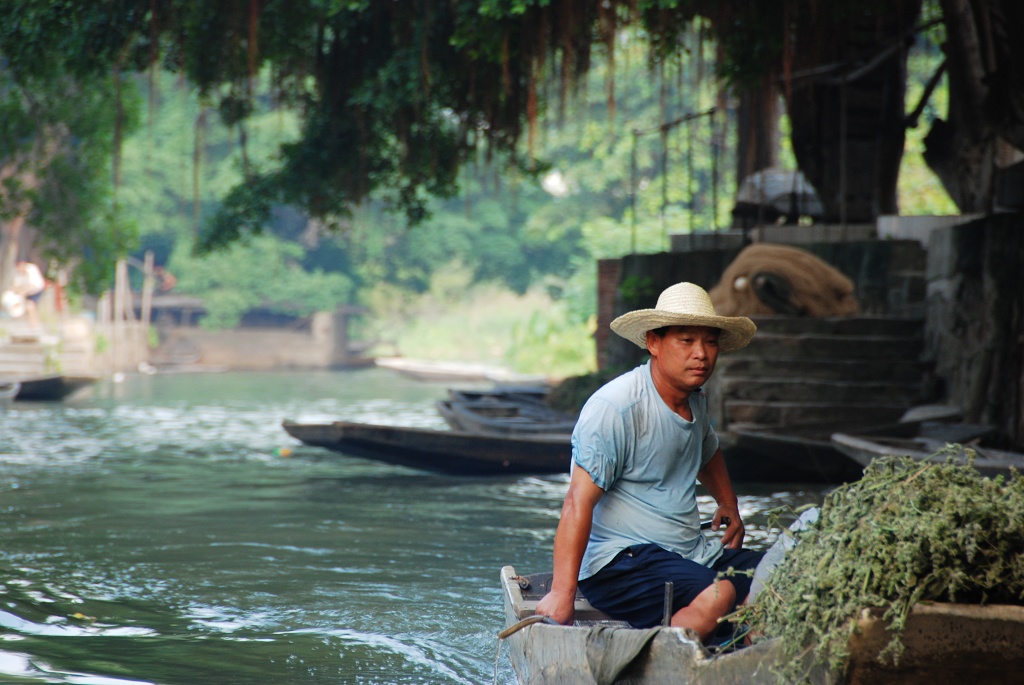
324,346
640,279
967,283
888,276
975,321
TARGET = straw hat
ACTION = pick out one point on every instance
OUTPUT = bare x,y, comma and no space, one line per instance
685,304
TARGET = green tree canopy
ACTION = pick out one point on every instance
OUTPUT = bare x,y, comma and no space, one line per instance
396,96
56,143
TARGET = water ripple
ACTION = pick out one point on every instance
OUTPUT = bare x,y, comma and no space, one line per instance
60,627
411,652
18,665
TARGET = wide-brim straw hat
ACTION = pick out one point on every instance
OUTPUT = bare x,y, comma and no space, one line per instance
685,304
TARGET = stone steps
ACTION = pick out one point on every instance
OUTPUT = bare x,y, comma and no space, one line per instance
885,326
760,368
23,358
790,415
26,352
834,347
796,390
800,372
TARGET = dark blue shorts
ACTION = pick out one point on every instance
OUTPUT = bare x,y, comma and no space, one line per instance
631,587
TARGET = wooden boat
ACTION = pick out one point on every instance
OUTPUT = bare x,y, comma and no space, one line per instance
439,450
503,416
945,644
511,393
807,454
8,391
988,461
791,456
428,370
544,653
51,388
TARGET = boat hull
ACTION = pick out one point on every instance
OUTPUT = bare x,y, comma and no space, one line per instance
806,453
767,457
945,644
442,451
503,417
543,654
988,462
51,388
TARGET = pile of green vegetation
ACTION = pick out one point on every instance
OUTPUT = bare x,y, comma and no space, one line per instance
906,533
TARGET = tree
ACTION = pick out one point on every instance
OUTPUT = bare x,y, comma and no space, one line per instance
846,104
267,275
985,64
397,96
55,173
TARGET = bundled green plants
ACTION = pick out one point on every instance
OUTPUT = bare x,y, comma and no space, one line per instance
907,532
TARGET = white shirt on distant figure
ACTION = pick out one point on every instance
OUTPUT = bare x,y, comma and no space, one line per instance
28,280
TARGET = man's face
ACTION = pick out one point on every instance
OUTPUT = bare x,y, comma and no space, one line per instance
686,354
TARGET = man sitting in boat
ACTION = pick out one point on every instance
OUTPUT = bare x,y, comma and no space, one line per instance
629,522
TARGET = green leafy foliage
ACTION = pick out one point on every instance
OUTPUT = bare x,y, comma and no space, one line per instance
920,191
395,97
351,110
263,273
56,146
183,164
455,319
546,341
907,532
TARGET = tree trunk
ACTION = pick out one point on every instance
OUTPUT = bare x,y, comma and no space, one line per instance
846,104
985,63
757,129
10,232
977,321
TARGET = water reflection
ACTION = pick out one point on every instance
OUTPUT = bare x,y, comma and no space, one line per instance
152,533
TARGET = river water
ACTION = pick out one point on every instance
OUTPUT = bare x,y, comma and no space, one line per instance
164,529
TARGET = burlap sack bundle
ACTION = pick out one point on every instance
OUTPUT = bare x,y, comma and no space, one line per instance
767,279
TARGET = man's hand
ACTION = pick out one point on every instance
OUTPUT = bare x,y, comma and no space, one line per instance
734,531
560,606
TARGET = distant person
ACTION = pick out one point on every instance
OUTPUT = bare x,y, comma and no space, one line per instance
30,284
643,441
165,280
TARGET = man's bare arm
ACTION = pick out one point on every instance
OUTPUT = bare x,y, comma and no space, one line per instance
715,477
570,543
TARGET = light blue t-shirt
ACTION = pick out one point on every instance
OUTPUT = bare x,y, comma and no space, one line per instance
646,458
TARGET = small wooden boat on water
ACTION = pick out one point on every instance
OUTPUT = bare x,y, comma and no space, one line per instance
535,394
807,454
503,416
438,450
8,391
594,648
790,456
945,644
866,448
428,370
51,388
